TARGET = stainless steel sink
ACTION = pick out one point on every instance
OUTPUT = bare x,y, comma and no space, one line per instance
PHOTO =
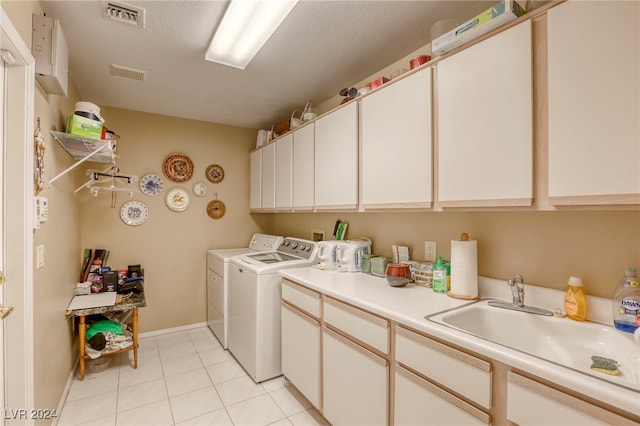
559,340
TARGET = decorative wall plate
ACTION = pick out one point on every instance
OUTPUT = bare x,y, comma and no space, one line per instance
151,184
216,209
199,189
177,199
214,173
134,213
178,168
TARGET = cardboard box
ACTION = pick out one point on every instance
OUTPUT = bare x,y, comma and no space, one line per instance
82,126
499,14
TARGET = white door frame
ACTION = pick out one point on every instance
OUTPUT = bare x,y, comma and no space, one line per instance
17,247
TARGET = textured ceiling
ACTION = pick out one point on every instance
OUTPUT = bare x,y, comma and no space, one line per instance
320,48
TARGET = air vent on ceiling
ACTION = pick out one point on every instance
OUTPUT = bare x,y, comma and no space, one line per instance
126,72
124,13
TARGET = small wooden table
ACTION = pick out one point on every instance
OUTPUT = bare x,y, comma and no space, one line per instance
133,302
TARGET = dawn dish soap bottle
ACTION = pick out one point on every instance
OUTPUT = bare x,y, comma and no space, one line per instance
626,302
575,301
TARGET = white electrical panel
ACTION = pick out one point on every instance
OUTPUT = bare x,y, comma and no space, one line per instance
49,48
42,209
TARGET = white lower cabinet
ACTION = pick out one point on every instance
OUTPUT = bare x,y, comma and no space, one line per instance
360,368
301,352
419,402
532,403
355,382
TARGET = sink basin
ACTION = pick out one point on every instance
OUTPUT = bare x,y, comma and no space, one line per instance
559,340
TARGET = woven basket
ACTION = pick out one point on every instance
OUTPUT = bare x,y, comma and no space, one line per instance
280,128
295,121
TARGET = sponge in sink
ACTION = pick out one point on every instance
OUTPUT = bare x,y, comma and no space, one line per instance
605,365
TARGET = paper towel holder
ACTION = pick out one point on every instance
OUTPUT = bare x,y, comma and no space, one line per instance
463,237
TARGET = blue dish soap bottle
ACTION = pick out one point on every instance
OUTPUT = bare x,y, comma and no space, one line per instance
626,302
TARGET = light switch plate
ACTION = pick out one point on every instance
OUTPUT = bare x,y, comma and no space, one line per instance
40,256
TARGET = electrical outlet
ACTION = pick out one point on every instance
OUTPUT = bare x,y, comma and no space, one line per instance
317,235
430,251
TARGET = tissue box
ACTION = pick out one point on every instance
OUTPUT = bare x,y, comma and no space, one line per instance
83,126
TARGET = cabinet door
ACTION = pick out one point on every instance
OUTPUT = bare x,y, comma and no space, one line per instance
255,180
436,361
301,352
419,402
485,142
283,168
396,144
532,403
269,177
594,103
336,159
355,381
303,168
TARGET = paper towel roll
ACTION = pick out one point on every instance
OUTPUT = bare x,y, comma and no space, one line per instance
464,269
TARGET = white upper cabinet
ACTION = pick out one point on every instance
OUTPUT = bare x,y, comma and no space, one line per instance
396,144
484,113
255,180
303,169
594,103
336,159
284,153
269,177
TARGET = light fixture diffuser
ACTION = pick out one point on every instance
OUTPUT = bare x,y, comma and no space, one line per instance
245,28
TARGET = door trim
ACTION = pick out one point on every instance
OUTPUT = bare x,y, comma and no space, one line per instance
18,164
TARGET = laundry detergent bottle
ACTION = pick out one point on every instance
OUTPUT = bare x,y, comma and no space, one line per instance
575,301
626,302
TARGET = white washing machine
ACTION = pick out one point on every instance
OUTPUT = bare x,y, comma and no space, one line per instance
218,280
254,305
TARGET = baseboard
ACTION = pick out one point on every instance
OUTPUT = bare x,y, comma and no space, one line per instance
65,392
171,330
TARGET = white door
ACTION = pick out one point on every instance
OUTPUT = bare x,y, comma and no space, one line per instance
16,145
2,348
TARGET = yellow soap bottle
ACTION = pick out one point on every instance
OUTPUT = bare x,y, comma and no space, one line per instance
575,302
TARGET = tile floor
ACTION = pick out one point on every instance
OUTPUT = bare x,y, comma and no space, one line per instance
183,378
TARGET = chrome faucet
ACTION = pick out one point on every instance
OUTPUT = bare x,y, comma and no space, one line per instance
517,290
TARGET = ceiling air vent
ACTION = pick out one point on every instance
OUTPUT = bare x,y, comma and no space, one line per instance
126,72
124,13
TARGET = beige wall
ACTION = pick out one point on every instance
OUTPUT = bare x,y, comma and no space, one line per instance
171,246
55,350
545,247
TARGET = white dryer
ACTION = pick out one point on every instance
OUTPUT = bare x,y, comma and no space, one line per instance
254,305
218,280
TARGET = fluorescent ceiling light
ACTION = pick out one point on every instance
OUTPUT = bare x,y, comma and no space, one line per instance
245,27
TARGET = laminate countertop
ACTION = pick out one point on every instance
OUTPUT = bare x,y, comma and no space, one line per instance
410,304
